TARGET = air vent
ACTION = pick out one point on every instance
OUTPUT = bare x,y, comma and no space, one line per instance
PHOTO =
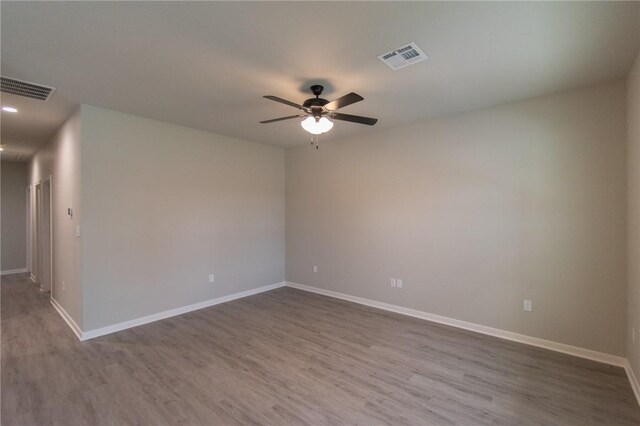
24,88
403,56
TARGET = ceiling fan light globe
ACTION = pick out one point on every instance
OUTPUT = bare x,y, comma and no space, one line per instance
325,124
311,125
316,127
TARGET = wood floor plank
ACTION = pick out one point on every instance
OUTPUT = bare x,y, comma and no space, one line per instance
295,358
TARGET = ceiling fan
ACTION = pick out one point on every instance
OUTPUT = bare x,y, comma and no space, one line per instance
318,111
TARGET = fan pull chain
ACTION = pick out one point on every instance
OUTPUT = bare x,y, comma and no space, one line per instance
315,141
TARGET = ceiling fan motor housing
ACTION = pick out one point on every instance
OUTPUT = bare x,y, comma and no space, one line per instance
316,104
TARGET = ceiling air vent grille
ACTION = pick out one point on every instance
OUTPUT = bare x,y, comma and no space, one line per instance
403,56
24,88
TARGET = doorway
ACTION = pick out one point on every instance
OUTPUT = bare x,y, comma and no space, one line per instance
41,258
29,210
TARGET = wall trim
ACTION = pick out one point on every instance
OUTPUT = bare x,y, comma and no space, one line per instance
13,271
91,334
495,332
633,380
67,318
618,361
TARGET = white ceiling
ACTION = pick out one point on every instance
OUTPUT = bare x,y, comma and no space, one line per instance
207,65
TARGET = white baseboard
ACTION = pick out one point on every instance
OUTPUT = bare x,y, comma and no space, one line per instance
633,380
67,318
13,271
508,335
91,334
516,337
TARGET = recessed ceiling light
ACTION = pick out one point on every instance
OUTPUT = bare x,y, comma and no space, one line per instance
9,109
1,148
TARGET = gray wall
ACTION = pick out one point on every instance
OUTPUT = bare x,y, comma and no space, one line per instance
633,189
476,213
61,159
164,206
14,215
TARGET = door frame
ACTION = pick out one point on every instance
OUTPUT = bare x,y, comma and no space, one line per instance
49,182
29,208
35,233
38,227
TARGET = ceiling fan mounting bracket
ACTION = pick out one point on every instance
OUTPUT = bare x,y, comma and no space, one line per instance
317,89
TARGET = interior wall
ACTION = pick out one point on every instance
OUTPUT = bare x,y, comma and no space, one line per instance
476,213
633,189
13,226
165,206
60,158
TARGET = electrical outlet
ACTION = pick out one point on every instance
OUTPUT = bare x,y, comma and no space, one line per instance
64,285
528,305
212,278
393,282
399,283
315,268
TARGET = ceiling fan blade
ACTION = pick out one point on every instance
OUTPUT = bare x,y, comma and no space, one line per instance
355,118
273,120
348,99
284,101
